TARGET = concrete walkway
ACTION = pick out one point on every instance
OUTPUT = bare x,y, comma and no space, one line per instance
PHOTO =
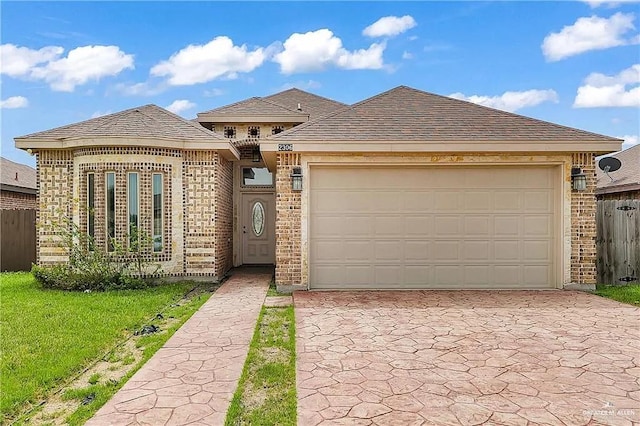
465,357
192,378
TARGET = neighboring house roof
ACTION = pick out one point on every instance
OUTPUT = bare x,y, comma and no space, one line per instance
145,121
627,178
17,177
314,105
407,114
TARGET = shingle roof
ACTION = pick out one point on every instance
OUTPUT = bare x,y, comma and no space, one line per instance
314,105
16,174
628,174
407,114
254,106
145,121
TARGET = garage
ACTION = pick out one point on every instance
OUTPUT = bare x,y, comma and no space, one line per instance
434,227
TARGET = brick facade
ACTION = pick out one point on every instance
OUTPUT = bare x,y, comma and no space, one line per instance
288,223
583,223
197,203
10,200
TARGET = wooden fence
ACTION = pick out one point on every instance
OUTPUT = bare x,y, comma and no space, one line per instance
17,240
618,241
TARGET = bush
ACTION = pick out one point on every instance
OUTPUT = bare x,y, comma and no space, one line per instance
94,269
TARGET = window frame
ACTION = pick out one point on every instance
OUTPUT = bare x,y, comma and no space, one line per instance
91,207
108,236
160,233
137,202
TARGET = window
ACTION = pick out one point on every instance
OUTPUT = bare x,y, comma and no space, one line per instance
277,129
229,132
157,212
256,176
111,209
133,209
91,205
253,132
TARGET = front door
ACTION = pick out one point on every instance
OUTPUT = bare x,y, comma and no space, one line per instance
258,228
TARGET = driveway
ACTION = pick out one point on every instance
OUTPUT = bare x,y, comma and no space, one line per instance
466,357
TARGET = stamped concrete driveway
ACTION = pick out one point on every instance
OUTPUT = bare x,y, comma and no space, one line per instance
466,357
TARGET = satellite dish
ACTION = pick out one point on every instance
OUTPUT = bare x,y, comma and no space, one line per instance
609,164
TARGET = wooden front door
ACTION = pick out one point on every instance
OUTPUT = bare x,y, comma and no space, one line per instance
258,228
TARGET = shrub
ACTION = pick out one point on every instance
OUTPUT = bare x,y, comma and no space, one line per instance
92,268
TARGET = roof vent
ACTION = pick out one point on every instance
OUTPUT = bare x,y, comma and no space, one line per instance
16,175
299,107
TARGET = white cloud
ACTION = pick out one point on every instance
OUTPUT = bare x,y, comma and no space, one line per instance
629,141
315,50
219,58
390,26
100,113
180,105
14,102
302,85
598,3
17,61
407,55
601,90
81,64
511,101
592,33
213,92
140,89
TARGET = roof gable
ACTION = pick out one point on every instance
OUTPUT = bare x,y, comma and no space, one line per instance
314,105
407,114
253,106
146,121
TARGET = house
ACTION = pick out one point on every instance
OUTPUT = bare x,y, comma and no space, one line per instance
624,183
17,186
406,189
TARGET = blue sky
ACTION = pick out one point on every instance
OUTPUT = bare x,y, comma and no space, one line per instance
573,63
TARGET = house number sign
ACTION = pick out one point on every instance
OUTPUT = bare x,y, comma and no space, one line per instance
285,147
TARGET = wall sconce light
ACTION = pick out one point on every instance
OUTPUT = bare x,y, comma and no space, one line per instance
296,179
578,179
255,154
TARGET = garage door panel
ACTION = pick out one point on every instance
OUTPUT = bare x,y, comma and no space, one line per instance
506,225
417,201
386,250
449,227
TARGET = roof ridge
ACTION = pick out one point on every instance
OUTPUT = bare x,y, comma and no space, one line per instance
230,105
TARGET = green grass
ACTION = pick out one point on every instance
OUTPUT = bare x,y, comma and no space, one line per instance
48,336
266,393
150,344
626,294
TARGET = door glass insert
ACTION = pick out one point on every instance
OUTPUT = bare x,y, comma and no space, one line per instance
257,218
256,176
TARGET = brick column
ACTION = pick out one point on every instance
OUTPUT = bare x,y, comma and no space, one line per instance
288,223
583,223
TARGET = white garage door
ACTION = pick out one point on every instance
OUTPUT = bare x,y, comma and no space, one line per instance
432,227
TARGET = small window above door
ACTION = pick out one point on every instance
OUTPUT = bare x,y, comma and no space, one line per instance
256,176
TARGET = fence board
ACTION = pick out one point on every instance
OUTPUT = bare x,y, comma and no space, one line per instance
618,241
17,239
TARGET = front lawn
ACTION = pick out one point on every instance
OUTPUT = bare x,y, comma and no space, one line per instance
48,336
626,294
